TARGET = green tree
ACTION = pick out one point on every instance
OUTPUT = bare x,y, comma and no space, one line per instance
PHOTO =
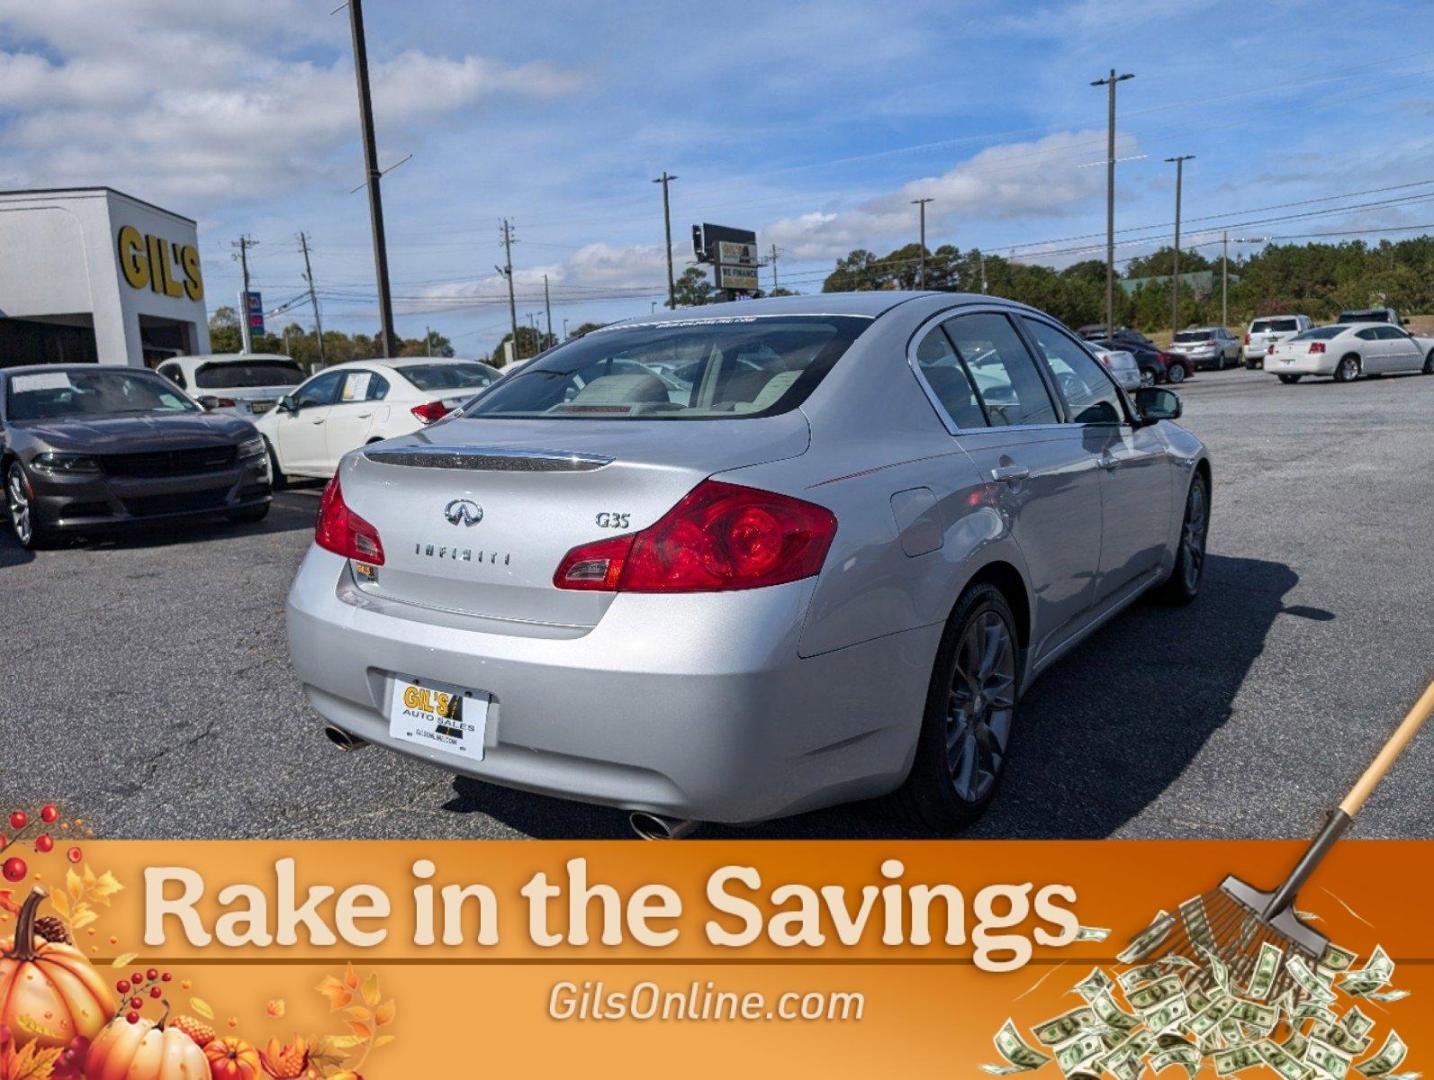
586,328
224,333
693,288
530,343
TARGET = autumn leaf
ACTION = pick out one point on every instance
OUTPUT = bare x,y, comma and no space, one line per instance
103,888
202,1007
371,994
363,1031
84,915
351,979
7,902
383,1040
61,903
123,960
384,1014
337,993
359,1013
276,1008
33,1063
74,885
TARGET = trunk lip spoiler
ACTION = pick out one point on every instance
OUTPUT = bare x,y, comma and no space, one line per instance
488,458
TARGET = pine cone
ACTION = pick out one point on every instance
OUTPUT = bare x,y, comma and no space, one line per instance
197,1030
52,929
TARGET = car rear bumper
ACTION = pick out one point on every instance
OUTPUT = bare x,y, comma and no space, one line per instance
696,705
89,502
1317,364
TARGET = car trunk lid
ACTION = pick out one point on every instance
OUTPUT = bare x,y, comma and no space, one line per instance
476,514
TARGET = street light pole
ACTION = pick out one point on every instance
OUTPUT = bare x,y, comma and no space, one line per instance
1109,82
921,266
1179,163
664,180
370,157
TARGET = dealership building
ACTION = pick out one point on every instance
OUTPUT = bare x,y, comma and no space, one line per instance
94,275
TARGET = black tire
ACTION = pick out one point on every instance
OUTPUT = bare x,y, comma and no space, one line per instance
29,531
1149,376
277,480
1348,369
1183,584
1177,374
1429,363
250,515
1291,379
932,796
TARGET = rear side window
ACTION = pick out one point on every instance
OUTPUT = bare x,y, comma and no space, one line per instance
1092,397
1010,387
946,376
363,386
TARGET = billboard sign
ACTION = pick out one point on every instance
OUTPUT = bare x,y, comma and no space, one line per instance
732,251
254,312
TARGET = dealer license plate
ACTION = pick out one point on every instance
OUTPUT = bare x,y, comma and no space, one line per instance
438,716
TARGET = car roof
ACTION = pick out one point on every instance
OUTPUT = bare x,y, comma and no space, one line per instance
36,369
865,304
231,357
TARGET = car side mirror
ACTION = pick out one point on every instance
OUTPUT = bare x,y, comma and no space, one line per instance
289,405
1155,403
209,402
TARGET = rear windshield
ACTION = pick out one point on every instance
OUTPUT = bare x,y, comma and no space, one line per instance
237,375
429,377
1319,333
1379,315
1273,326
1194,335
58,395
709,369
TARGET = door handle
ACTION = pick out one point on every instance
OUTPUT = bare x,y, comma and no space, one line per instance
1108,463
320,420
1010,474
364,415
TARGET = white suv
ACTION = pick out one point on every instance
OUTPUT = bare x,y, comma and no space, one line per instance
1266,331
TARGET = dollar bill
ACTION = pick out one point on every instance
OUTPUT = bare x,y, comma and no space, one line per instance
1185,1055
1376,973
1337,1036
1329,1060
1149,939
1197,999
1296,1044
1308,981
1112,1015
1092,933
1313,1010
1151,996
1387,995
1391,1055
1021,1057
1168,1015
1094,984
1197,923
1267,966
1236,1059
1064,1028
1336,959
1208,1019
1081,1051
1144,973
1217,969
1355,1022
1262,1017
1281,1060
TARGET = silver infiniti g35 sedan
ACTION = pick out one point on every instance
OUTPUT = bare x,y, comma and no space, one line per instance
737,562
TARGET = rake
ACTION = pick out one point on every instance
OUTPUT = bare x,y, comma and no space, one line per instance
1234,921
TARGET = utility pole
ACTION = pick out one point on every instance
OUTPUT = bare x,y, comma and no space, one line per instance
921,266
370,158
664,180
775,253
1179,163
548,307
1110,82
981,261
507,271
313,299
565,329
1225,278
428,340
246,339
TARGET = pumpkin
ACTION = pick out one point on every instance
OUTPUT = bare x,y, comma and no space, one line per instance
49,993
144,1051
233,1059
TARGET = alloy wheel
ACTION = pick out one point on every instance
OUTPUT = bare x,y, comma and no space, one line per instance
981,706
19,504
1348,369
1192,536
1177,373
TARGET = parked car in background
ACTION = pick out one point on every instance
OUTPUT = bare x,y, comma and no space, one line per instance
1347,351
247,384
88,448
1368,315
1123,336
1267,331
822,578
1208,346
1121,365
363,401
1156,365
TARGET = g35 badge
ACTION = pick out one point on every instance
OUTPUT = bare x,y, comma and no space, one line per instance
607,520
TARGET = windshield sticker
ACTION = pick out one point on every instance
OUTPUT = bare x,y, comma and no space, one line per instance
50,380
356,386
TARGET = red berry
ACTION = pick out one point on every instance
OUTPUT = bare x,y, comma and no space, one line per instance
137,978
165,977
74,854
122,986
4,841
19,819
136,1003
132,1017
155,992
152,974
49,814
44,844
14,869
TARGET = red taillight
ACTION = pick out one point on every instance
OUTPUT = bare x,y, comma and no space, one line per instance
343,532
430,411
1247,339
1164,357
1316,346
718,537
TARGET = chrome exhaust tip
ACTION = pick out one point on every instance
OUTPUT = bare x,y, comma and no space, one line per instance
658,826
342,739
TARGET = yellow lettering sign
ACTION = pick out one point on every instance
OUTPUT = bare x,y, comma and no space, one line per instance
162,266
133,262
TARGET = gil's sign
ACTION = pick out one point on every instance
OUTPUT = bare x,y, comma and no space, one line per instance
162,266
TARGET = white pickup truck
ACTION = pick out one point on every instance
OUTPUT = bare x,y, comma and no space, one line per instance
1268,330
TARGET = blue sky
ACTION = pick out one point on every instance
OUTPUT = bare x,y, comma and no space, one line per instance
813,123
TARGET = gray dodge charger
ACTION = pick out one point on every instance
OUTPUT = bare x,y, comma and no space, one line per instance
735,562
86,448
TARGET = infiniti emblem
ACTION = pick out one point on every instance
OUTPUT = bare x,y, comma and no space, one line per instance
463,512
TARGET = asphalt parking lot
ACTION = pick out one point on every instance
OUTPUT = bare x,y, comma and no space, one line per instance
144,682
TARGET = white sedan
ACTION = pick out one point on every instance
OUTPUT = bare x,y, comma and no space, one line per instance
1348,350
363,401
